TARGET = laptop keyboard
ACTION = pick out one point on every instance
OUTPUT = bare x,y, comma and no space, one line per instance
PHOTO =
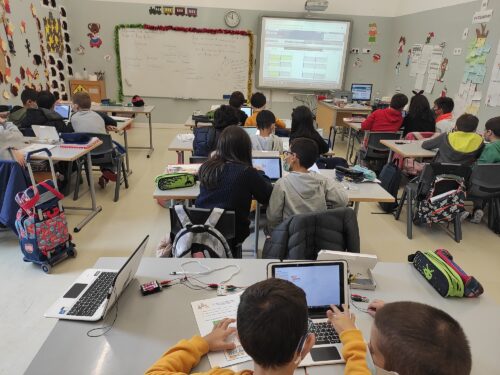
90,301
325,333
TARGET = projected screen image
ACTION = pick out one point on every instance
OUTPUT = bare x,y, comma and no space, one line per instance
302,54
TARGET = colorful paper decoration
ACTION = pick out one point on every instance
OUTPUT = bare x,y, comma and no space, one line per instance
402,43
442,69
168,11
376,57
429,37
23,27
53,34
6,6
180,11
398,68
408,58
155,10
95,39
27,45
192,12
372,32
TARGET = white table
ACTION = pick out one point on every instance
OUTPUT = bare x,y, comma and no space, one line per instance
408,149
123,126
354,127
146,110
146,326
191,124
180,146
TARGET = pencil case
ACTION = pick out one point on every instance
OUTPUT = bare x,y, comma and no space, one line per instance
170,181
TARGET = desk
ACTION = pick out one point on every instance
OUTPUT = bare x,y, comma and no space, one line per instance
354,127
123,126
146,110
180,146
146,326
70,155
410,149
190,123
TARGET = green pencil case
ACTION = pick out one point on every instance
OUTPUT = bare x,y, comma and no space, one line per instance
169,181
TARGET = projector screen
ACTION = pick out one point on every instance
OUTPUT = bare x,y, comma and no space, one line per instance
302,54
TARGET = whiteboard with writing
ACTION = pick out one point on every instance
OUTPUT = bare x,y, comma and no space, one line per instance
176,64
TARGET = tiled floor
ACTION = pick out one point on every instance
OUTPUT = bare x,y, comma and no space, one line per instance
26,292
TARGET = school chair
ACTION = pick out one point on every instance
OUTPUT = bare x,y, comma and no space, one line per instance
197,159
374,154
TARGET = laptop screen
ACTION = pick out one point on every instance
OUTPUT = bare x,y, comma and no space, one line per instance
251,130
323,282
64,110
247,110
270,166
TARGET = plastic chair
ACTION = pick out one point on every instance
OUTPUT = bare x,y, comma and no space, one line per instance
375,152
485,185
197,159
418,189
105,156
226,225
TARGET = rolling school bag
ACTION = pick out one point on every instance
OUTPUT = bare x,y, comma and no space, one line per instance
390,178
41,222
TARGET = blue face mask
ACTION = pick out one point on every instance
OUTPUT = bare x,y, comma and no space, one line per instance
374,370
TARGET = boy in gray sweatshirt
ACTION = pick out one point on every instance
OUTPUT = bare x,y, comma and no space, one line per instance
301,191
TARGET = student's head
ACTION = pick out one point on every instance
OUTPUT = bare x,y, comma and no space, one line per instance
265,121
81,101
46,100
258,100
443,105
272,324
411,338
234,146
303,153
225,116
237,99
492,129
399,101
302,119
467,123
28,97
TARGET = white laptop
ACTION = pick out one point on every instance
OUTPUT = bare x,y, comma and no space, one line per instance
96,290
271,165
45,133
360,266
64,110
325,284
251,130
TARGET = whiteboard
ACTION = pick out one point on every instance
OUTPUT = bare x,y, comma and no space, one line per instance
176,64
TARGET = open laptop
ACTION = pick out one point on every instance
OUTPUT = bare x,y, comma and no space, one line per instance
251,130
45,133
325,284
64,110
96,290
248,110
270,165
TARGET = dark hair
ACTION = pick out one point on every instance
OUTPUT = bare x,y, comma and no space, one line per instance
306,150
467,123
493,124
233,146
302,121
225,116
265,119
258,100
45,99
237,99
271,320
445,104
29,94
399,101
420,339
420,108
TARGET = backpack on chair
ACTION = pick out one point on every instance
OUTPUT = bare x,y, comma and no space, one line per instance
200,240
390,178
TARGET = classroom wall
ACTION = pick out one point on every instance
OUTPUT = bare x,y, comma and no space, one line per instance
448,25
108,14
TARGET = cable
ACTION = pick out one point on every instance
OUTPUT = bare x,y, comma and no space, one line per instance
107,328
362,309
207,271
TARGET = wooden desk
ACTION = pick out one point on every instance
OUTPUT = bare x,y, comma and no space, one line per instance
410,149
146,110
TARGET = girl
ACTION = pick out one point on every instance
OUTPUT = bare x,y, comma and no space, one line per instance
420,117
303,127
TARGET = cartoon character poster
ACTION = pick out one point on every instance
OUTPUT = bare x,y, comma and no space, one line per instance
442,69
402,43
372,32
408,58
95,39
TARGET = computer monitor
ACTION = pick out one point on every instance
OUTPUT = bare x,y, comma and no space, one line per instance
361,92
247,110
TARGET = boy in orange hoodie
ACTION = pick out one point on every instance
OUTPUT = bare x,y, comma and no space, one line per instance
258,101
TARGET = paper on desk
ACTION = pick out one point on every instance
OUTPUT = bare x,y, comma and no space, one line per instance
37,146
209,312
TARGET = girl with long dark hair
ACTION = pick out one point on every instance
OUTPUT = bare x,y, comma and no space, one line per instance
303,127
420,117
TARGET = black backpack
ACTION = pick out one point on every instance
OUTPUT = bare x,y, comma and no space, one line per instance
204,140
390,177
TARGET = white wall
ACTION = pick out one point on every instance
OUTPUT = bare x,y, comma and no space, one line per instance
410,6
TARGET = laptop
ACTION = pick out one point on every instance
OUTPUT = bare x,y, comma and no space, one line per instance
95,291
271,166
64,110
325,284
251,130
248,110
45,133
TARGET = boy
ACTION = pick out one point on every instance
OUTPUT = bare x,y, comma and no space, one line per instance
43,114
272,328
10,136
407,338
236,100
266,140
28,98
258,102
388,119
302,191
443,108
460,147
84,120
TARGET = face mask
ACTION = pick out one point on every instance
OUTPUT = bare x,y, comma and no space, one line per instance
374,370
286,166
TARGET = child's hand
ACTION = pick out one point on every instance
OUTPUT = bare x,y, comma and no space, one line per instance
19,157
341,321
216,339
374,306
111,128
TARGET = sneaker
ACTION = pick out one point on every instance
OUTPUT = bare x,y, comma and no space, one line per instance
109,175
477,216
464,215
103,181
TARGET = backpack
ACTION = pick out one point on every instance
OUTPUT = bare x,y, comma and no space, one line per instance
200,240
444,201
390,177
204,140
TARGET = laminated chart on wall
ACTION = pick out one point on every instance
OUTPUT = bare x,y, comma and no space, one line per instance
493,94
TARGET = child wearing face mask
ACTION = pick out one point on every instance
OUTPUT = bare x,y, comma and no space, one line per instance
302,191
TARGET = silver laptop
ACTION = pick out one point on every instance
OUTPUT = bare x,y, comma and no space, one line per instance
64,110
251,130
96,290
325,284
46,133
271,166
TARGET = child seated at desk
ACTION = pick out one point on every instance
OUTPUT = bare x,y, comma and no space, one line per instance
236,101
84,120
388,119
258,102
443,108
303,127
266,140
302,191
407,338
10,136
272,328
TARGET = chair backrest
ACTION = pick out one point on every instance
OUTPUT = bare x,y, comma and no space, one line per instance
197,159
226,224
485,180
105,152
431,170
375,149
